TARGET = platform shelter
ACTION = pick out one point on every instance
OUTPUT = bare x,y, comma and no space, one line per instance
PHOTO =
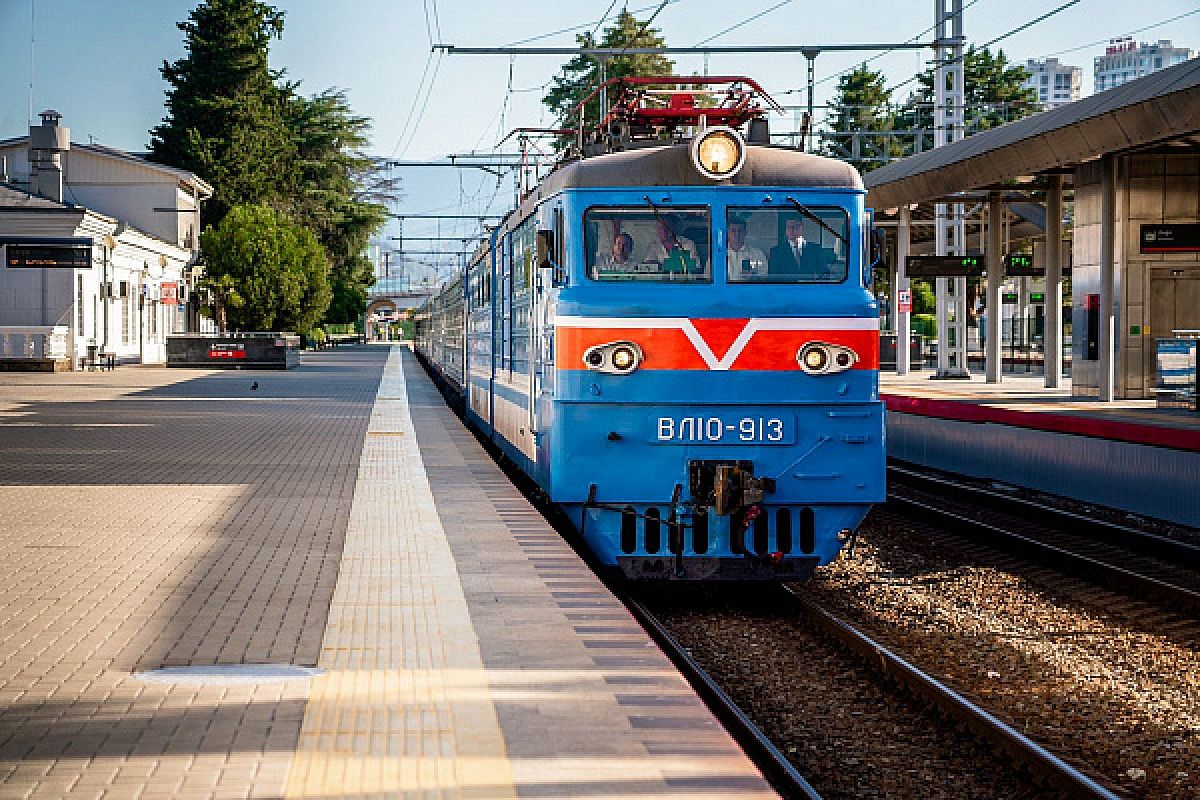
1118,175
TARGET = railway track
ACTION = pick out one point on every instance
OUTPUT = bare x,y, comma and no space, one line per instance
827,694
1145,564
818,709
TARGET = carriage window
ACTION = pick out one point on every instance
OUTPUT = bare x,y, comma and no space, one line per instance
646,244
774,245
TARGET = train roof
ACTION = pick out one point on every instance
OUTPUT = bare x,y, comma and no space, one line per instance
671,165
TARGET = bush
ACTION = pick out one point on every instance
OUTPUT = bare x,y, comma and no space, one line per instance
925,324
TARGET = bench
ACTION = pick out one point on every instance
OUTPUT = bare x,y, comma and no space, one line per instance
96,360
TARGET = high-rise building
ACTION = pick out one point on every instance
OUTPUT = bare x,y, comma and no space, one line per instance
1056,84
1125,60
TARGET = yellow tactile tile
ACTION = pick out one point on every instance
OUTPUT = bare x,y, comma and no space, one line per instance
403,707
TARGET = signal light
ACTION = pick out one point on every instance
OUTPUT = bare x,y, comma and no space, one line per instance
822,358
613,358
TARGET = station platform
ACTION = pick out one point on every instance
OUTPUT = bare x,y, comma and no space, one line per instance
1128,454
347,595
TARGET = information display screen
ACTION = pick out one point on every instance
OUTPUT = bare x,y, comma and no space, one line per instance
943,266
39,256
1021,264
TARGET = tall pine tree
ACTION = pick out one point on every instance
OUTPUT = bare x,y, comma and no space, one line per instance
340,192
994,90
225,111
581,75
234,122
860,116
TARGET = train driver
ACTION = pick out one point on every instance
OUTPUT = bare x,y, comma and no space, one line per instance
788,256
676,253
620,259
744,260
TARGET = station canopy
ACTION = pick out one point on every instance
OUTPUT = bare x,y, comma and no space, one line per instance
1160,112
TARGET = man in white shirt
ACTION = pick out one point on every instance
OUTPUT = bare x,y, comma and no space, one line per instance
620,258
743,260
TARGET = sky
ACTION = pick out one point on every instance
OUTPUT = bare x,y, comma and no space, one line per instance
97,62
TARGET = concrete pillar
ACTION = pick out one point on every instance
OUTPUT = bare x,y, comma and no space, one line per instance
903,320
1054,290
995,276
1106,379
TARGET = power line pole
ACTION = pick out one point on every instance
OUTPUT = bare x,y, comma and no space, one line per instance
950,232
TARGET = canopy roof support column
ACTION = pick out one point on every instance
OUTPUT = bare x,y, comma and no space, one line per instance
995,277
1108,231
1054,288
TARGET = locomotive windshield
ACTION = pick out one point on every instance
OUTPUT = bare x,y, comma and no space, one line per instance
772,245
648,244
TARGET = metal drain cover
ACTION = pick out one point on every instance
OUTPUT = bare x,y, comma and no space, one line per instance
227,674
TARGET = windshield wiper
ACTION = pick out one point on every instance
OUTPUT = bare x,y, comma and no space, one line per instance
808,212
670,228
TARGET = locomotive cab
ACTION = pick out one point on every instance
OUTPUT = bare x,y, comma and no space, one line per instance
678,343
716,410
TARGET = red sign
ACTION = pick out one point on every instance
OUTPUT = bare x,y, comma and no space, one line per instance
904,300
169,293
227,351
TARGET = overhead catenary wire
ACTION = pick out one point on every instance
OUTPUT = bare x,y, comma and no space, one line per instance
595,26
746,21
875,57
1002,36
1143,29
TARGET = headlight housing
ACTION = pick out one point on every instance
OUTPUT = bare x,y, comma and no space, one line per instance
718,152
613,358
822,358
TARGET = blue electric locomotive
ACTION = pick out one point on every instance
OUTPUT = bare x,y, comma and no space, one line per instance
677,342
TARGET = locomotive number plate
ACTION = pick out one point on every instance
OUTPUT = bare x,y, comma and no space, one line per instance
725,429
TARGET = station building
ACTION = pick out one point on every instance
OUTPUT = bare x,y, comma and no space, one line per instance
1056,84
100,252
1126,60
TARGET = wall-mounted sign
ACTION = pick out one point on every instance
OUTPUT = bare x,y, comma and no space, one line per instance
169,291
42,256
1008,297
1021,264
904,300
227,350
1182,238
1037,298
943,266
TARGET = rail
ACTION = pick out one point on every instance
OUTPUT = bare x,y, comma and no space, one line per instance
1037,759
778,771
1080,566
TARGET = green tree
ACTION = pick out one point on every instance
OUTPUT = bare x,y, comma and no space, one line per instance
265,272
224,109
994,90
581,75
340,192
860,110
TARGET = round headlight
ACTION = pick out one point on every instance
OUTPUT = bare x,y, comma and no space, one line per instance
718,152
595,358
623,358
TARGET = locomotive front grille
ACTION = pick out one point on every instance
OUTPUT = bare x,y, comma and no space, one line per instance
771,531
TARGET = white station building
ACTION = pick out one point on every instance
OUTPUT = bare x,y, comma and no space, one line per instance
98,252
